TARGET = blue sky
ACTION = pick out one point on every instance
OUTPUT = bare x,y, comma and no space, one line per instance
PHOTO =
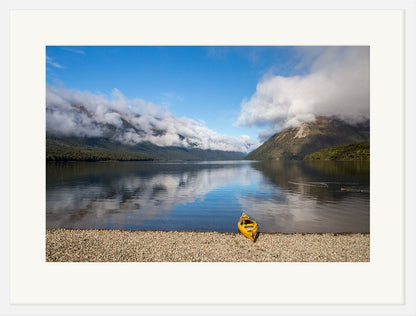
202,83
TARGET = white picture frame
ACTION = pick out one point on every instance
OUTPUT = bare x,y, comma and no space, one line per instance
31,292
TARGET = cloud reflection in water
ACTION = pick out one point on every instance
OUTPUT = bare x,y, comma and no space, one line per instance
202,196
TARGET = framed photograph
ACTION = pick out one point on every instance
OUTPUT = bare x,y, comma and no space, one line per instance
211,161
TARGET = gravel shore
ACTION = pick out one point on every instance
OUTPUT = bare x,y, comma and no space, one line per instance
72,245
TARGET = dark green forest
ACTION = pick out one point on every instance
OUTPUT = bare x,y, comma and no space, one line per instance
54,153
351,152
104,149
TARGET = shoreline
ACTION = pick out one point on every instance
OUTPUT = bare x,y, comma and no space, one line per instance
203,232
101,245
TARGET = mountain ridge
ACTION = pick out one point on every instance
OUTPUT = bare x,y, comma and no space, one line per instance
61,148
80,114
294,143
77,131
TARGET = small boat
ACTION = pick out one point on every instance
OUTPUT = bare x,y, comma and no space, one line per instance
248,226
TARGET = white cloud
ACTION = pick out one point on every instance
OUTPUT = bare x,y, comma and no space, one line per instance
50,61
337,84
73,50
72,112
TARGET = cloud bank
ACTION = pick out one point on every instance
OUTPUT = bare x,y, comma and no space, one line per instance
131,121
336,83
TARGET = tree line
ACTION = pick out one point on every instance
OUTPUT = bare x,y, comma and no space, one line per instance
75,154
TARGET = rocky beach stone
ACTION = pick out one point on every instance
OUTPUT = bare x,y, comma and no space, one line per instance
72,245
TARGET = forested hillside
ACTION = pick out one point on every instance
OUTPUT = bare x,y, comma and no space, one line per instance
351,152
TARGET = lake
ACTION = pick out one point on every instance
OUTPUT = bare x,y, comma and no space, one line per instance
283,196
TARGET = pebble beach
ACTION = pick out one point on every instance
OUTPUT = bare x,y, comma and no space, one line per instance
73,245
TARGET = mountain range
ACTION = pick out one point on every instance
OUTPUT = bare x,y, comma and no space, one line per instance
296,142
122,137
70,148
123,140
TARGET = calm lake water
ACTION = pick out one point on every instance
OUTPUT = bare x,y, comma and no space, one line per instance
293,196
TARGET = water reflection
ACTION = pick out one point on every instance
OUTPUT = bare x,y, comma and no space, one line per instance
284,197
308,197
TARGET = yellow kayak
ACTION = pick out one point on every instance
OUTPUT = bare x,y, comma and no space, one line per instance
248,227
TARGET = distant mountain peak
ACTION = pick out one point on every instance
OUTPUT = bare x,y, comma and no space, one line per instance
296,142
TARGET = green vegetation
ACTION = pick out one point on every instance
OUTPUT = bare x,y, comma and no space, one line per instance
54,153
66,148
351,152
90,149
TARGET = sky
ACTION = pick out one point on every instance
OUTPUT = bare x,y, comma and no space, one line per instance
246,93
